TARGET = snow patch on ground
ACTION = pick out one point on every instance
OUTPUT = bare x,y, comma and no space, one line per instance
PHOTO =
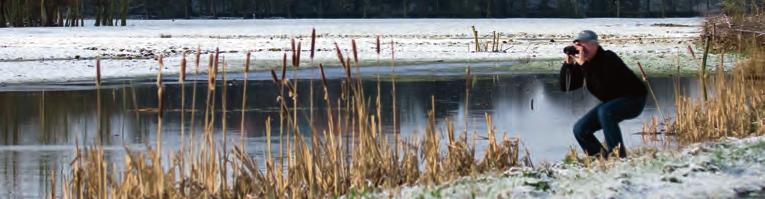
731,168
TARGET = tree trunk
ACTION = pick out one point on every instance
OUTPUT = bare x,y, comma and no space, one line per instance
43,14
575,5
671,6
488,8
2,14
80,8
364,9
109,13
437,11
647,8
405,5
321,8
124,12
98,13
708,5
188,9
68,20
288,8
146,9
663,8
213,12
59,18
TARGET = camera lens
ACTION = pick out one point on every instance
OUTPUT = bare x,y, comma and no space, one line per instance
570,50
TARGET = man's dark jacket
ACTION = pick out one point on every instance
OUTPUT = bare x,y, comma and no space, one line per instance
605,76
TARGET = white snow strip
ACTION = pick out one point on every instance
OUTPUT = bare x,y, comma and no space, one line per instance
425,40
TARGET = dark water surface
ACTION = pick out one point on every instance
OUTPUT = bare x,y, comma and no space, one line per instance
41,125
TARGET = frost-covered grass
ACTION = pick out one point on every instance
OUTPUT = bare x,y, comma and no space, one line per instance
66,54
730,168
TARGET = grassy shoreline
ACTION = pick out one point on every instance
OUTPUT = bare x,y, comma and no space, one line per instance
718,169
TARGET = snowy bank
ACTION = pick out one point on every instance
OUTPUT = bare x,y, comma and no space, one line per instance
66,54
731,168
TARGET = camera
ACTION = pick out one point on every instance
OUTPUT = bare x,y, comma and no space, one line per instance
570,50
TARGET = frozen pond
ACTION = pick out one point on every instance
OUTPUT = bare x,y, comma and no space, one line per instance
41,124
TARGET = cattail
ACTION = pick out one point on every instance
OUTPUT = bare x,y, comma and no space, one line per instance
284,66
293,46
217,56
313,42
273,76
378,45
159,72
161,103
339,55
348,62
159,86
297,56
223,100
247,63
355,52
210,72
475,37
294,53
468,78
183,69
182,80
393,51
348,67
690,50
198,55
98,71
242,129
215,67
323,77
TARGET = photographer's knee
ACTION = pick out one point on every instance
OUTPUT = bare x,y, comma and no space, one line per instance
605,114
579,129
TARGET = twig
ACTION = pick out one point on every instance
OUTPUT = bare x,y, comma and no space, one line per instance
648,84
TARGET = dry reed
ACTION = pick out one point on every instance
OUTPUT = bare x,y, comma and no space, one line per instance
735,110
650,89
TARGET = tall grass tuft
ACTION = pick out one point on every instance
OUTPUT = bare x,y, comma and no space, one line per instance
735,108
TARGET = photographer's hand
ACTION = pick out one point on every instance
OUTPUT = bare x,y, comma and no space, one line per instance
583,54
569,59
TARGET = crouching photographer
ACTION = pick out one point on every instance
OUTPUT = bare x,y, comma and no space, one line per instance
604,74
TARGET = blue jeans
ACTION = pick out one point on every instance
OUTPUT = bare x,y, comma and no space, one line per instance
607,116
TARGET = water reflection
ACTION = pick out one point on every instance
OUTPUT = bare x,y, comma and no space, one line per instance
40,128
